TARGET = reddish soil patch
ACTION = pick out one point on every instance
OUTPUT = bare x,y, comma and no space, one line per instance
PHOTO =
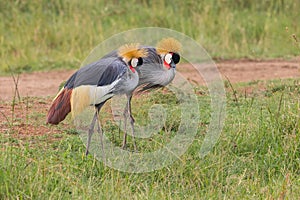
36,84
247,70
27,118
42,84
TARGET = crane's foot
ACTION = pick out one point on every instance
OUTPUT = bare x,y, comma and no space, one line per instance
124,145
134,146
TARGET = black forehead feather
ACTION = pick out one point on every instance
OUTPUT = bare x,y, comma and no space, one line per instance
176,58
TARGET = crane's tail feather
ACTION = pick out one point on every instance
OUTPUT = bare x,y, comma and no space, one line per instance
60,107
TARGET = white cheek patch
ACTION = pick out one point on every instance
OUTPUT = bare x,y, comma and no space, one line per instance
168,58
134,62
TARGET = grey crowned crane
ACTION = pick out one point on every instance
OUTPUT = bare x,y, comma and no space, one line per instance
95,83
158,70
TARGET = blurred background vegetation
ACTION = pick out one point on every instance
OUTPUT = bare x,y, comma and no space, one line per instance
50,34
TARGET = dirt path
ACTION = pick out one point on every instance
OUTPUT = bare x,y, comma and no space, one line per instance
46,83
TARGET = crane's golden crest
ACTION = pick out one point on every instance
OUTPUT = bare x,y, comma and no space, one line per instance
167,45
129,51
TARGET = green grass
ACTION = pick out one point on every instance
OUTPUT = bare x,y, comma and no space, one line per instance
43,35
256,157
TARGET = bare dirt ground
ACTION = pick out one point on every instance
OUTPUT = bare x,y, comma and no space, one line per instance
42,84
26,118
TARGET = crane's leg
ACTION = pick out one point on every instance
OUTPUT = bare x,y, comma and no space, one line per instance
91,129
99,130
127,112
125,127
90,133
131,121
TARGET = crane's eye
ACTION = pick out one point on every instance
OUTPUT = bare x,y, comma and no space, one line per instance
134,62
168,58
176,58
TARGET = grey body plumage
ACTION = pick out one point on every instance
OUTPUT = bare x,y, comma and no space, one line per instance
104,72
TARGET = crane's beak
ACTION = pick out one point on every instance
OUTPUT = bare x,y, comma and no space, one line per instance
173,65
